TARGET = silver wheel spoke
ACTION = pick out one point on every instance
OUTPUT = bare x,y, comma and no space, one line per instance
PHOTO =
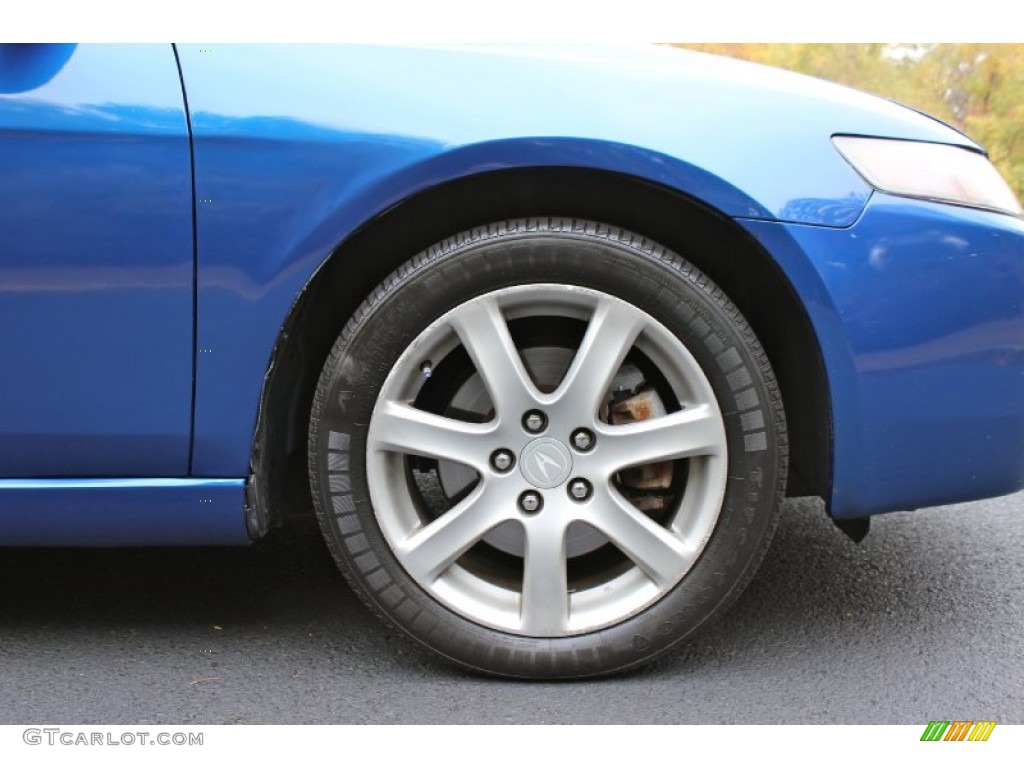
690,432
545,531
402,428
483,331
659,552
545,597
610,335
429,551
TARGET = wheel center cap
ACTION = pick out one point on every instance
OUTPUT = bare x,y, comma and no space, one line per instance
545,463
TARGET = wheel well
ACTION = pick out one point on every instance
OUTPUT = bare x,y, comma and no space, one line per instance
711,241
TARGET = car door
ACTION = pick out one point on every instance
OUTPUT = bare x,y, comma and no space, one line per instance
96,262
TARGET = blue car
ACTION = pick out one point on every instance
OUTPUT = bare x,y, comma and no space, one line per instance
543,336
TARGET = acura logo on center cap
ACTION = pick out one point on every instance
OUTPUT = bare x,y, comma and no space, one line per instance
545,463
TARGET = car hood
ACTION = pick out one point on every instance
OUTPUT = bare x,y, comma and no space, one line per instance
680,72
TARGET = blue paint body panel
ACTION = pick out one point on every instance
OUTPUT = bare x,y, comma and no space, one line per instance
122,513
295,148
95,262
917,306
919,309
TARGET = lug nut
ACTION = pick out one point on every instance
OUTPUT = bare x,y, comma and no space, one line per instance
534,421
583,439
502,460
579,489
530,501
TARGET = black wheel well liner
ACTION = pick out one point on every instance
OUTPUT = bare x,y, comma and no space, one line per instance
719,247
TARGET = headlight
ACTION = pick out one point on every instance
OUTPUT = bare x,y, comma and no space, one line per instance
930,171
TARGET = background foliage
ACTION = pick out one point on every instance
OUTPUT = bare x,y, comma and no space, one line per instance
976,87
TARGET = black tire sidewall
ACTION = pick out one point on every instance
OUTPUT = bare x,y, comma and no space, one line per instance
562,252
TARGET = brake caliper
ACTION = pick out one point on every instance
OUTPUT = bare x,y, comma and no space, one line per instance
633,399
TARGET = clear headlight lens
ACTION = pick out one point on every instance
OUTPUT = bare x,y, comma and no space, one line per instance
941,172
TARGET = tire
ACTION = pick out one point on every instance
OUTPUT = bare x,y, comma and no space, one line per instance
476,434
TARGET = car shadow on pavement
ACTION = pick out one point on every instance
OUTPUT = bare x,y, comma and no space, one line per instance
815,589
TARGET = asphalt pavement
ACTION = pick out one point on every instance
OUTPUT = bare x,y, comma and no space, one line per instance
922,621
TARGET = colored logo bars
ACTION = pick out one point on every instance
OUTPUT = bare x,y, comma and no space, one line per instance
958,730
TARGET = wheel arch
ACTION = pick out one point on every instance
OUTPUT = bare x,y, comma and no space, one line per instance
713,242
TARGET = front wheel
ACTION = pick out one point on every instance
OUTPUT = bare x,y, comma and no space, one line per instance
547,448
